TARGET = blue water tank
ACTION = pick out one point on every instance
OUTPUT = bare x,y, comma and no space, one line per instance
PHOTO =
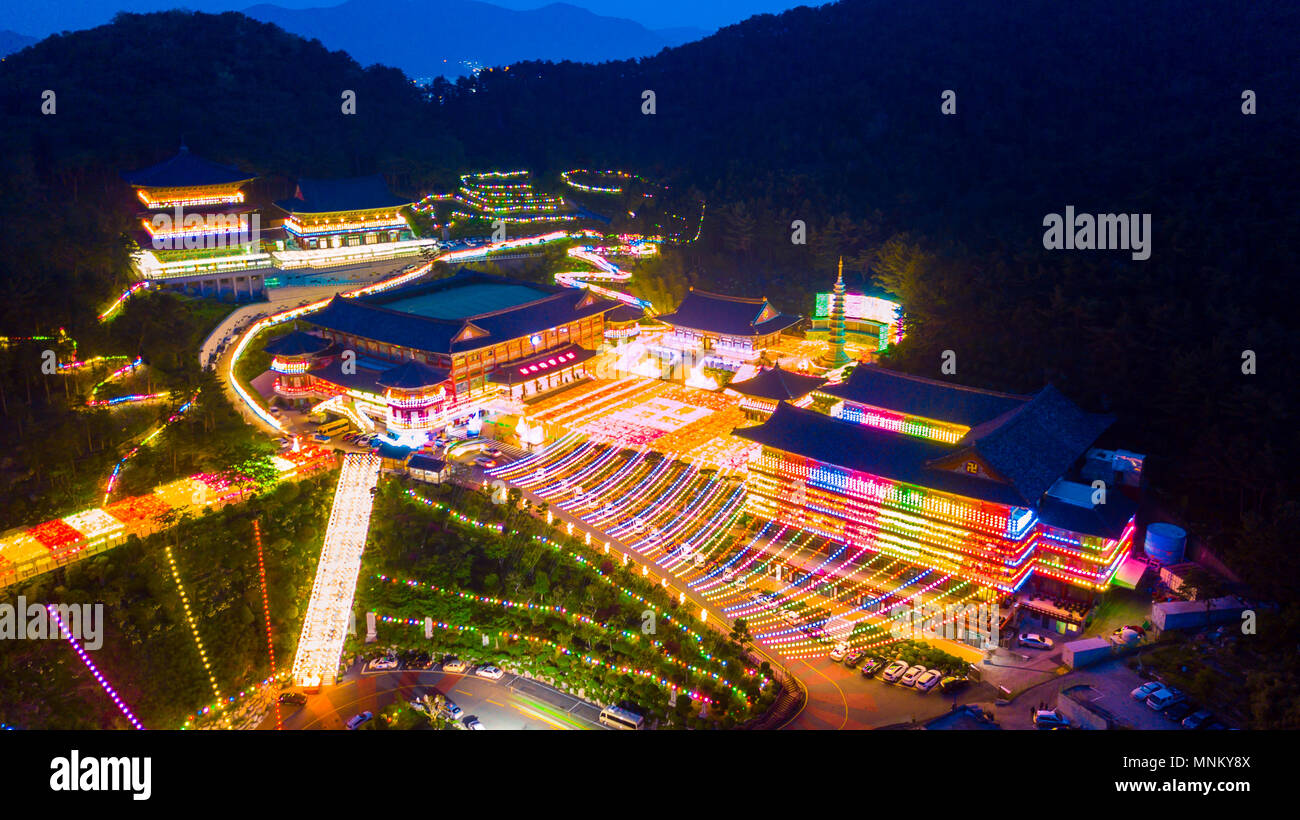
1165,543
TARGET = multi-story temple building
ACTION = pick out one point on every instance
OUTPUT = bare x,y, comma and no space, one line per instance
987,487
196,231
344,213
416,359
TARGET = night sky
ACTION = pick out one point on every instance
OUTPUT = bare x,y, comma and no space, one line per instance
43,19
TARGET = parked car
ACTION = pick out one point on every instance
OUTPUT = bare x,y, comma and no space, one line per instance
1033,640
1163,698
489,672
293,698
1177,711
383,663
1198,720
790,616
728,574
473,722
871,666
1050,719
910,676
355,721
454,665
854,658
895,671
953,683
451,710
1146,689
928,680
839,651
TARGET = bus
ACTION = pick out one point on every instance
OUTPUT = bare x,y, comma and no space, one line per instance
333,428
616,718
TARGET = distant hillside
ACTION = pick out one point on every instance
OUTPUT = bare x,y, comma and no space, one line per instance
426,39
11,41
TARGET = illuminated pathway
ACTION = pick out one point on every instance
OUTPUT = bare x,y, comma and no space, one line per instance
326,623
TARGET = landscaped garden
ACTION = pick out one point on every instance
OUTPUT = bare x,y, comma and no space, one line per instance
500,586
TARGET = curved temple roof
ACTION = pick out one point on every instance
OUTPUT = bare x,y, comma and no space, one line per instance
728,315
186,171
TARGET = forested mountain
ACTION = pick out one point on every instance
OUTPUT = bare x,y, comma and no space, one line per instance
11,41
831,116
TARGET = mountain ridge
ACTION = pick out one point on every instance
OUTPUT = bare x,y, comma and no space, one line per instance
441,38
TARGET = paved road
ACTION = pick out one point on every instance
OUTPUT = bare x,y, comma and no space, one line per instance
220,344
512,702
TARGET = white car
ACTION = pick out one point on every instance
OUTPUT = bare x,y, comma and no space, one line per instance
1035,641
837,654
894,671
790,616
929,680
1146,689
454,665
728,575
1050,719
489,672
472,722
384,663
910,676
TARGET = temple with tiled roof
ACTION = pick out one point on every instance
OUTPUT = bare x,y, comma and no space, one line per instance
418,358
761,393
337,213
734,327
1000,503
188,181
195,232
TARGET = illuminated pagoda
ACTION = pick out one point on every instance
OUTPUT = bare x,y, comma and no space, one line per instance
1000,505
329,214
761,394
415,394
196,231
727,330
293,357
836,357
419,358
870,322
